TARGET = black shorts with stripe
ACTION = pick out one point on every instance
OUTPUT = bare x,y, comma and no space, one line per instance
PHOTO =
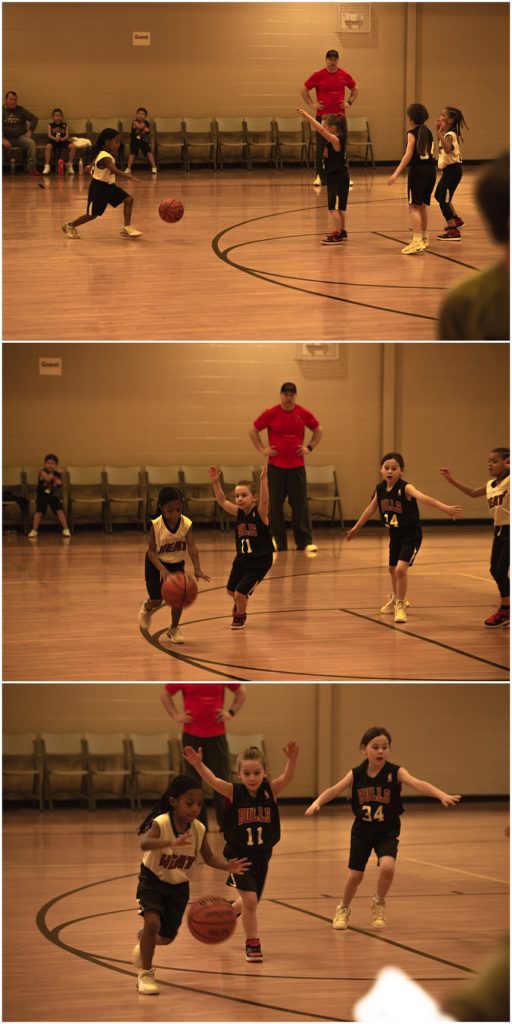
102,195
246,573
157,897
404,548
253,880
383,838
420,183
153,581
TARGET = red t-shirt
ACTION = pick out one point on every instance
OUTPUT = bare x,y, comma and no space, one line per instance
203,700
286,433
330,89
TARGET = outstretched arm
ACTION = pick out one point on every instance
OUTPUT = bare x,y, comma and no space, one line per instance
427,788
454,511
363,518
292,752
406,159
472,492
228,506
195,758
235,866
330,794
321,129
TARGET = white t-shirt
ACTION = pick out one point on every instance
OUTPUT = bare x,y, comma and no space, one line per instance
103,173
173,864
498,500
453,157
171,546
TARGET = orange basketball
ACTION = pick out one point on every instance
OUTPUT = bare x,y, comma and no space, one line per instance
211,919
179,590
171,210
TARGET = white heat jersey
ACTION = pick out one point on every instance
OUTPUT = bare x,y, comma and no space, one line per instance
173,864
103,173
171,546
498,500
454,156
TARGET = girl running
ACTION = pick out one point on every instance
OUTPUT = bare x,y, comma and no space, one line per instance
172,839
251,827
497,490
103,190
170,539
333,128
377,805
421,178
397,502
449,134
254,548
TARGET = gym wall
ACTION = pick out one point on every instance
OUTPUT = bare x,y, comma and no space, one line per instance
454,735
194,403
251,59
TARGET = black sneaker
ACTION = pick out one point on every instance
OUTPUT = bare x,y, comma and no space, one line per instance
343,236
459,223
253,953
238,621
333,239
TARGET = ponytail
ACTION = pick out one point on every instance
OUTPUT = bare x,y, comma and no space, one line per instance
179,785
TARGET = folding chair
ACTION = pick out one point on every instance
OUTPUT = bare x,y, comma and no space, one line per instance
291,141
64,758
237,744
14,499
359,141
152,764
107,757
199,138
322,489
260,141
21,760
87,496
169,140
199,498
230,140
124,496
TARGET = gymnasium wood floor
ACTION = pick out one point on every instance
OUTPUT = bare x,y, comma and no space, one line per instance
70,919
244,263
70,613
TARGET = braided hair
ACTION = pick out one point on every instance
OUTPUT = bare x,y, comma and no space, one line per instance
457,117
104,136
169,494
179,785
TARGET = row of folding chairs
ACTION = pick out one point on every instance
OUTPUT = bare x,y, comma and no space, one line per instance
88,766
129,494
215,141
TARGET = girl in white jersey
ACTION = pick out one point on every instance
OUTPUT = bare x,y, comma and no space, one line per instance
497,490
103,190
172,841
449,135
169,540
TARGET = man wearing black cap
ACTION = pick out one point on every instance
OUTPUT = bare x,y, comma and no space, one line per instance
286,423
329,84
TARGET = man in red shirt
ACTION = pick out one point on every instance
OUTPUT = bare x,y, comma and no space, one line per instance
329,84
203,720
286,471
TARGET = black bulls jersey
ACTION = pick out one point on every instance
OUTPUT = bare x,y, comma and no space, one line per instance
396,510
251,823
376,799
253,536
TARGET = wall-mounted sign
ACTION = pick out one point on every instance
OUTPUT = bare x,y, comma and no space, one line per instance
50,367
141,38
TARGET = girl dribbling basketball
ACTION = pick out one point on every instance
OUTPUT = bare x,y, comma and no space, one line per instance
103,190
170,539
172,840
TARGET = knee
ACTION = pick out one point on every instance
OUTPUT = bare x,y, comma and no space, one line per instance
152,926
401,572
356,877
387,871
129,201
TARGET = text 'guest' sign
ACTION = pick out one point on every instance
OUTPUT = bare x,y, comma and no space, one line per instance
50,367
141,38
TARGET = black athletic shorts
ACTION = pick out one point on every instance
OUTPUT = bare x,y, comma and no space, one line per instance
102,195
167,900
246,573
252,880
365,838
403,549
43,500
153,581
136,144
420,183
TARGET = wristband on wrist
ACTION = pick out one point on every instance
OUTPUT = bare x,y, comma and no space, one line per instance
231,712
309,448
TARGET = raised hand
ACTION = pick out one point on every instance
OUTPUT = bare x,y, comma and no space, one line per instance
291,749
194,757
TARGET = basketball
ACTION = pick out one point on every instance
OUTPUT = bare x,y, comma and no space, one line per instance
179,590
171,210
211,919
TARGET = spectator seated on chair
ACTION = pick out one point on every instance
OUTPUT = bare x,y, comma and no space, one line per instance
15,132
59,144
